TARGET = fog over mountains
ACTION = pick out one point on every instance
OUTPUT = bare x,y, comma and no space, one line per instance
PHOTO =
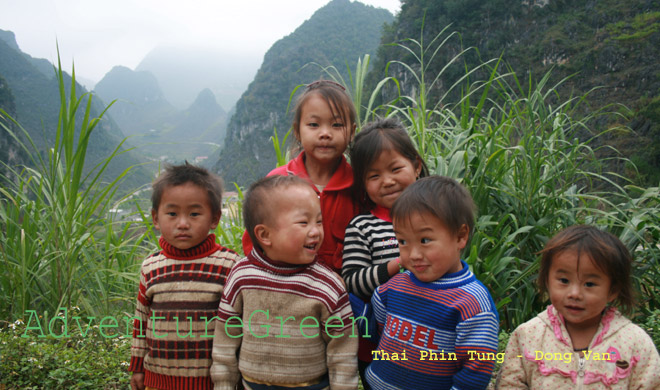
183,73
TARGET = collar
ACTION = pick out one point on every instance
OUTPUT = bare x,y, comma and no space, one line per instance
382,213
340,180
203,249
279,267
447,281
611,321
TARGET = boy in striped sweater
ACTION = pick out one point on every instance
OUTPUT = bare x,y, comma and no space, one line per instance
437,323
180,286
285,318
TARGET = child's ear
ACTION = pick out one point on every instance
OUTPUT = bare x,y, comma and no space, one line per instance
462,236
418,167
613,296
154,218
216,220
296,131
262,234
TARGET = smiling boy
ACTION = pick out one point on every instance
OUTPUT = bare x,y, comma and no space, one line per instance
286,314
180,286
437,307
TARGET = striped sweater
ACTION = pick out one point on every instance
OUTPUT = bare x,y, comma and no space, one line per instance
178,296
453,318
369,244
291,323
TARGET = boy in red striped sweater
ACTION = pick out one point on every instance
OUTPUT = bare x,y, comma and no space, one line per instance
285,318
180,286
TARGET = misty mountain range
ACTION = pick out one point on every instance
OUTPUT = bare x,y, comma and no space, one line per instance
179,104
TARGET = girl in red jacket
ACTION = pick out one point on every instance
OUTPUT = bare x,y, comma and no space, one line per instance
324,124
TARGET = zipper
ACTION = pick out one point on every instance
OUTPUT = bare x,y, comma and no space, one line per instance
582,362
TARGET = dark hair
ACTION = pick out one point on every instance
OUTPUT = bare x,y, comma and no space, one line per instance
335,96
176,175
440,196
605,249
376,136
257,202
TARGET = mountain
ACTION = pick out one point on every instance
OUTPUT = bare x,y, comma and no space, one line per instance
36,101
337,34
160,130
10,151
183,72
140,104
610,45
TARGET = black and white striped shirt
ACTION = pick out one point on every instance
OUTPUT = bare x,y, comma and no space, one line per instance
369,244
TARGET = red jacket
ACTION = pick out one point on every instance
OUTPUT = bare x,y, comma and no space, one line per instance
337,208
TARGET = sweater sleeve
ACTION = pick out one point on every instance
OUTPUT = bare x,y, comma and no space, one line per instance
475,337
226,343
341,348
512,373
379,309
142,313
358,271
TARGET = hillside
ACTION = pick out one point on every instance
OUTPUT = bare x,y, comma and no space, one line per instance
609,45
140,104
36,100
337,34
10,152
160,130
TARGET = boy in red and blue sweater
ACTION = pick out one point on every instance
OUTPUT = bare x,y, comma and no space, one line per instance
437,323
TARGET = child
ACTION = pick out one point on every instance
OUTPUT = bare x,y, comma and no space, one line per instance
581,341
284,317
438,324
384,162
180,286
324,123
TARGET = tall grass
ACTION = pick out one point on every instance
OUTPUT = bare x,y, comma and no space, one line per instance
533,162
57,248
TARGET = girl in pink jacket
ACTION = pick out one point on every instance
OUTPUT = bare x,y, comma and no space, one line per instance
582,341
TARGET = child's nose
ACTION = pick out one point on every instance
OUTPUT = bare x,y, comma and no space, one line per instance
415,253
325,132
182,223
388,179
574,291
316,231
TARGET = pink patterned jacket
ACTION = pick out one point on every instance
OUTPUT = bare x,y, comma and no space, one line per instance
540,356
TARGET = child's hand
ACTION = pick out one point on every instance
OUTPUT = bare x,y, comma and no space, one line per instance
394,266
137,381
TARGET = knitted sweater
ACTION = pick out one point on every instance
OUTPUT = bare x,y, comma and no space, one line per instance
453,318
337,207
540,355
178,296
291,324
369,245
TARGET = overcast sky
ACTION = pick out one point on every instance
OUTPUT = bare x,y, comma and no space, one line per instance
99,34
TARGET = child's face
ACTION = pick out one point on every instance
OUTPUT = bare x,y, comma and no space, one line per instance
428,248
579,293
294,231
388,176
323,136
184,216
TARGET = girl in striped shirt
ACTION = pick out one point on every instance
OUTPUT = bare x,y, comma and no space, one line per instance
385,161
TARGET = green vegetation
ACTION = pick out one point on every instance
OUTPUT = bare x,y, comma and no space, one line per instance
58,248
642,26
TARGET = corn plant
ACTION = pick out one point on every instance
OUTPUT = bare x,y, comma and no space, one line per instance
57,247
532,162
